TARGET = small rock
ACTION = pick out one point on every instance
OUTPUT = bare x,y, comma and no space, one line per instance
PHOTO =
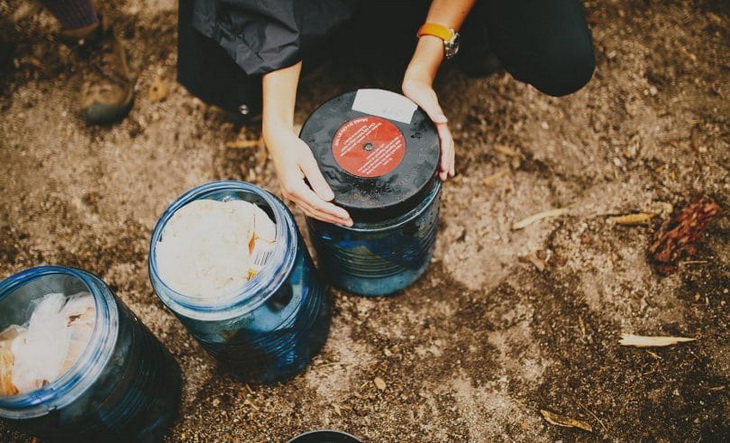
158,91
379,383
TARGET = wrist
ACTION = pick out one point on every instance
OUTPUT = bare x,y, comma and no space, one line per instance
447,36
277,136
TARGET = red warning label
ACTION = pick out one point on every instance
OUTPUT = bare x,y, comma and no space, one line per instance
368,146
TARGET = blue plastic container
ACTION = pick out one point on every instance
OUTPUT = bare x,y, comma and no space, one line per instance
125,385
378,258
269,329
379,152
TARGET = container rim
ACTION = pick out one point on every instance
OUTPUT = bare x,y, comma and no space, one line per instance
348,438
242,299
84,371
370,227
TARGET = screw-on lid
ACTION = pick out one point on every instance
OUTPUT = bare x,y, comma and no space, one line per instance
377,150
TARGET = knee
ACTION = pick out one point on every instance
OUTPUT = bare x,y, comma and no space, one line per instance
567,70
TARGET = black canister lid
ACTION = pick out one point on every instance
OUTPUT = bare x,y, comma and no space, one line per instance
377,149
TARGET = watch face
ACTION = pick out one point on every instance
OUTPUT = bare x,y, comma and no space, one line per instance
451,47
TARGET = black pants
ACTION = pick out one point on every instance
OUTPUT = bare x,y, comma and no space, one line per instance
545,43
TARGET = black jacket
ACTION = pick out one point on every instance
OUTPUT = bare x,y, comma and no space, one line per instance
224,46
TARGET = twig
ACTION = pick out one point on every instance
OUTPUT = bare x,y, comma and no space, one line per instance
634,219
641,341
494,177
250,403
502,149
334,363
537,217
605,429
562,420
243,144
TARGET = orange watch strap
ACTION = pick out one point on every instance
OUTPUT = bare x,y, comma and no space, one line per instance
440,31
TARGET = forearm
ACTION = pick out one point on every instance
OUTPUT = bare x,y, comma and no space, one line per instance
429,51
279,99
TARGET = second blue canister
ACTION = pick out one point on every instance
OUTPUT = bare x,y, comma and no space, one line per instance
228,260
379,152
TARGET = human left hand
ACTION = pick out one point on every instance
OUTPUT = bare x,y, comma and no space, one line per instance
423,94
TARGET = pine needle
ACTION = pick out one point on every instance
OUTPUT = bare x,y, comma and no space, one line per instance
641,341
537,217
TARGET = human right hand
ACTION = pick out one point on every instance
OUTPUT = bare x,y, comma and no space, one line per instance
300,179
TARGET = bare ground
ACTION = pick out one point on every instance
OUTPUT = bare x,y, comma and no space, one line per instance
506,322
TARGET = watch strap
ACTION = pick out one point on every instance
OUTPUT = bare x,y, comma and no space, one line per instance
444,33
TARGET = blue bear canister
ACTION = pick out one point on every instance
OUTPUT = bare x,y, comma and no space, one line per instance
77,365
262,330
379,153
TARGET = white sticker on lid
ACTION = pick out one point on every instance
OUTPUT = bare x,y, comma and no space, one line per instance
386,104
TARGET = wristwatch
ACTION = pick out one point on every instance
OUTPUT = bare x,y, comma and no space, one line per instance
448,35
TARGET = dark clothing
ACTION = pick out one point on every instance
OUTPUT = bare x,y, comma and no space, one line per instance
544,43
72,14
226,45
208,72
262,36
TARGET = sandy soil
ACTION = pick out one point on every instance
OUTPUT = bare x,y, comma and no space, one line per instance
506,322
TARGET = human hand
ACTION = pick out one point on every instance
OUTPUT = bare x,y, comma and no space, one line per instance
422,93
295,163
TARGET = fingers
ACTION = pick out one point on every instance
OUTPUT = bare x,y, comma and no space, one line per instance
313,206
426,98
294,162
434,111
448,151
310,168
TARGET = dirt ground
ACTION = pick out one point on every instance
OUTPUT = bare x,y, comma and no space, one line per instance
506,322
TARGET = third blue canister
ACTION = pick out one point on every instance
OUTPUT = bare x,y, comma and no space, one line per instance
379,152
263,327
77,365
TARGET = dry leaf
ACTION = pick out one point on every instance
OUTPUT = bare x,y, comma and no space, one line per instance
537,217
680,237
641,341
534,260
568,422
379,383
494,177
634,219
502,149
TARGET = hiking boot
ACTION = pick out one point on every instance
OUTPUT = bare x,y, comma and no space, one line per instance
107,91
